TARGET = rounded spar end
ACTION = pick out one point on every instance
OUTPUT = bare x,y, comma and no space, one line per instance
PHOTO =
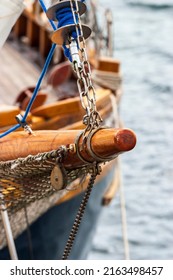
125,140
107,143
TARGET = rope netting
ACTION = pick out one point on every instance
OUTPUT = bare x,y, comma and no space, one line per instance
26,183
26,180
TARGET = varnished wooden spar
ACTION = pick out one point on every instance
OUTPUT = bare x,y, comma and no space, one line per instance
105,143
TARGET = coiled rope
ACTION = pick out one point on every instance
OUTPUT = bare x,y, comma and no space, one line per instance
65,17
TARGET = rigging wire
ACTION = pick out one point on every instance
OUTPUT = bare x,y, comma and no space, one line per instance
10,130
123,216
121,188
8,233
44,70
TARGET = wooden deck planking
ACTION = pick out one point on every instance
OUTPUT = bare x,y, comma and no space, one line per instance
16,73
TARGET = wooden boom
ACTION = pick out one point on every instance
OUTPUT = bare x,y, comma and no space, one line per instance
104,143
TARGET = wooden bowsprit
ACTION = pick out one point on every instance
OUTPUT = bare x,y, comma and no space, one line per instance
35,165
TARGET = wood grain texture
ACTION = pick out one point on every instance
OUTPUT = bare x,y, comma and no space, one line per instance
104,143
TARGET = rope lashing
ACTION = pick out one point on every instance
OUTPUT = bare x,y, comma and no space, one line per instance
64,17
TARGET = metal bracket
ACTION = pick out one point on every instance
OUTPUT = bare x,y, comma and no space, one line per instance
88,143
24,124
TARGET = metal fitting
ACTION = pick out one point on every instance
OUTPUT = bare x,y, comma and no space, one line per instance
24,124
75,53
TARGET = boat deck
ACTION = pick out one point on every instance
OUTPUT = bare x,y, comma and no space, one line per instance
17,72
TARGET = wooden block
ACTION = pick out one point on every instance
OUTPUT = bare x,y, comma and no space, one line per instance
108,64
7,115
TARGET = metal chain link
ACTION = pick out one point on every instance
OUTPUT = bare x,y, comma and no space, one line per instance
92,119
95,171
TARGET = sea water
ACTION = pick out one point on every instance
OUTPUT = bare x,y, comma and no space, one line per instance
143,41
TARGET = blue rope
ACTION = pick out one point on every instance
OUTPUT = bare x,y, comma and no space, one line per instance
10,130
65,17
63,20
45,10
34,93
44,70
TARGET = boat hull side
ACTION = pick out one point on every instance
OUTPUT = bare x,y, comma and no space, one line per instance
50,232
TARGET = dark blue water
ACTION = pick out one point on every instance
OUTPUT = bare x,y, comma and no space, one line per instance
143,36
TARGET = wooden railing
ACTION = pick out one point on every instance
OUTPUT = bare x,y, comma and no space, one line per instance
35,28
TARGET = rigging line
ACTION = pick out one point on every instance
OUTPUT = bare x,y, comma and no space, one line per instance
8,233
10,130
45,10
49,57
44,70
121,188
124,217
47,60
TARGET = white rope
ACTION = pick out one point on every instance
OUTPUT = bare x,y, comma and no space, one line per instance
121,188
9,235
123,216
